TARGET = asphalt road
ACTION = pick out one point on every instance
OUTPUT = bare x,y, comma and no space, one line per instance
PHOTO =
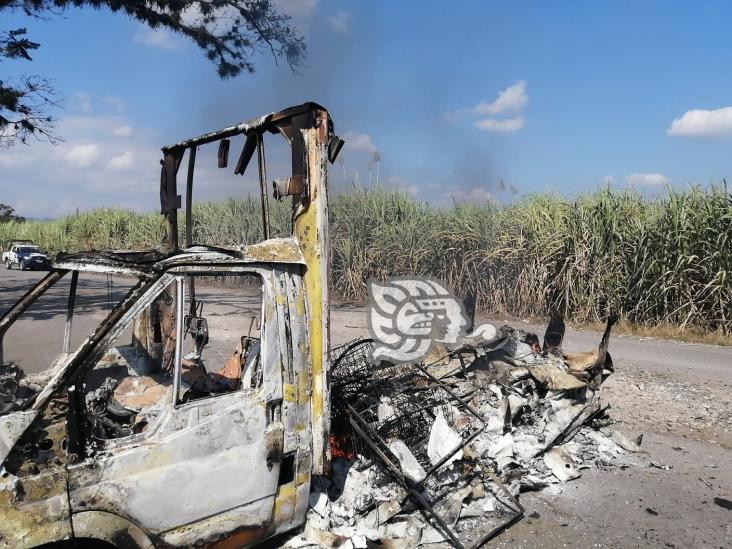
36,338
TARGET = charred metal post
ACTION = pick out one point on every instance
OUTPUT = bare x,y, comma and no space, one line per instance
179,339
189,196
169,197
309,140
250,144
263,185
70,311
75,439
189,219
223,154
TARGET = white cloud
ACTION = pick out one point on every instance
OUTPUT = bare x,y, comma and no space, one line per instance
703,123
122,131
91,167
506,125
122,162
157,38
639,179
82,156
512,99
359,142
339,21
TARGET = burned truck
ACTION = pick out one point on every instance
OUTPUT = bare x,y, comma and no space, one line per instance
165,427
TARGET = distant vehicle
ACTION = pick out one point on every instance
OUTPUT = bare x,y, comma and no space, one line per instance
26,255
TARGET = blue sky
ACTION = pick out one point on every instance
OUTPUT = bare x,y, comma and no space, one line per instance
456,96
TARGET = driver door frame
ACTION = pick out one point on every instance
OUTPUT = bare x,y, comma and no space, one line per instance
146,463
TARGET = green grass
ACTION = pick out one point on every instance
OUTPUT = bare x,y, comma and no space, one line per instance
664,260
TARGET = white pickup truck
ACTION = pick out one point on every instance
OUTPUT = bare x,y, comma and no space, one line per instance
26,256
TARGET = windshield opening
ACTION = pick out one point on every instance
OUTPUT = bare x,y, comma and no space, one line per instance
46,334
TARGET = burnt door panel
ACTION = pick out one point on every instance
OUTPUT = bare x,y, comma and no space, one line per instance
204,472
203,469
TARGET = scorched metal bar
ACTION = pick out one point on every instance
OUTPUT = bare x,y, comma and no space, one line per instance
395,470
70,311
189,196
452,394
263,185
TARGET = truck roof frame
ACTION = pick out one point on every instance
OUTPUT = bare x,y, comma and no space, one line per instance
146,262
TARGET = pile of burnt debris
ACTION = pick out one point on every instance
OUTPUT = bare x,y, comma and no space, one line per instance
437,453
17,392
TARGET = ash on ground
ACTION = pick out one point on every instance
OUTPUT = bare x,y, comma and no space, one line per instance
437,454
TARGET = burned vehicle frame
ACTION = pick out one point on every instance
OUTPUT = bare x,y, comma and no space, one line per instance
231,469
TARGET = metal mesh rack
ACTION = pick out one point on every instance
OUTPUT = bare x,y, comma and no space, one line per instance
384,402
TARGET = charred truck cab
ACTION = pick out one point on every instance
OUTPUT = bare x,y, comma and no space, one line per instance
131,439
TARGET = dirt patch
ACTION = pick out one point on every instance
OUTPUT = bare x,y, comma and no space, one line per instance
640,506
668,403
